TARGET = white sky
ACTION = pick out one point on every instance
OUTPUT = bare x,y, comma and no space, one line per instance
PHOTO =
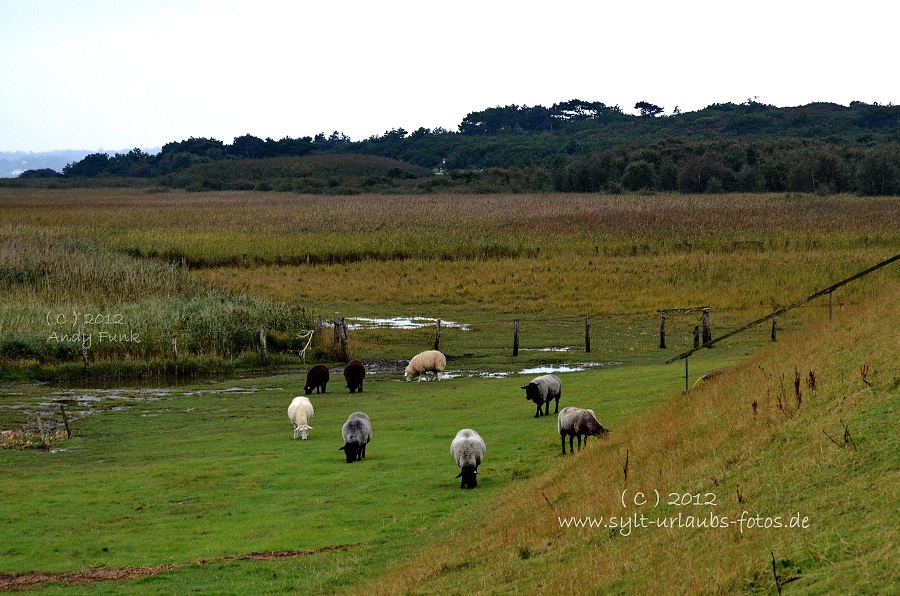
112,75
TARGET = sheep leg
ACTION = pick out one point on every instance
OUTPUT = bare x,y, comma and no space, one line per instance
538,413
564,443
579,442
572,449
547,411
556,410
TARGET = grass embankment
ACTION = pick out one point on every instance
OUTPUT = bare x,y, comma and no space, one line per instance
803,435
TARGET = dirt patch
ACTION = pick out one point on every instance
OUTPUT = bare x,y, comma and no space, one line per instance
24,581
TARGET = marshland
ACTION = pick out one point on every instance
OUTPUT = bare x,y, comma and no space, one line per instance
181,468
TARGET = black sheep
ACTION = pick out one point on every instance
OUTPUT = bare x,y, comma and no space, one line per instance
316,378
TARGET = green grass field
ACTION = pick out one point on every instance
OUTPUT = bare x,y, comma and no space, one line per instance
197,486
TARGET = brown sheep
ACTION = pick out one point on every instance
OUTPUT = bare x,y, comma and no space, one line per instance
354,373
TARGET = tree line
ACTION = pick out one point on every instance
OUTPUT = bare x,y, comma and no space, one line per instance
588,146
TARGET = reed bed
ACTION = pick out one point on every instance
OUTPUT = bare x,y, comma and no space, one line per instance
479,257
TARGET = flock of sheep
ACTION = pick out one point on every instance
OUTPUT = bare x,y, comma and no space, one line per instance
467,448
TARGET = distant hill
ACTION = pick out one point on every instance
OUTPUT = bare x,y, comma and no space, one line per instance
572,146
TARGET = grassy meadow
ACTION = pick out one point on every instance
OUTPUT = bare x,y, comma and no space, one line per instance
197,486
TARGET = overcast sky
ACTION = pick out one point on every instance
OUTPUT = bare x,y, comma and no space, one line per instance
113,75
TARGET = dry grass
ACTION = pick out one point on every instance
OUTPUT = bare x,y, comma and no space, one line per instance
743,440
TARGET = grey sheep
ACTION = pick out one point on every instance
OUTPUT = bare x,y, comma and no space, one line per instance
316,378
357,432
468,450
542,390
578,422
354,373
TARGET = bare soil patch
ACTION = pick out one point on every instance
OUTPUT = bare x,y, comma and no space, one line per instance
27,580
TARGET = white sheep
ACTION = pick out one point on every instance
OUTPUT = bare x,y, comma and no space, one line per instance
542,390
468,450
427,361
300,412
578,422
356,432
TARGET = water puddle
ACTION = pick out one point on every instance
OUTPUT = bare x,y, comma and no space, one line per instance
400,323
564,368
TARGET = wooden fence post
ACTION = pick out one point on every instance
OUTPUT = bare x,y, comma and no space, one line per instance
830,305
516,337
774,320
707,333
84,351
45,440
662,330
437,336
340,337
65,421
587,335
696,336
263,349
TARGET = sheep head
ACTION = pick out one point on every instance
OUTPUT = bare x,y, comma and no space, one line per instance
303,431
469,477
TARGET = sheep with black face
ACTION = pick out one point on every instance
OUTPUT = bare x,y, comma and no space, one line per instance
578,422
357,432
542,390
468,450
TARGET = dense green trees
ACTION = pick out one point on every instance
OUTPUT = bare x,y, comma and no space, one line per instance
580,146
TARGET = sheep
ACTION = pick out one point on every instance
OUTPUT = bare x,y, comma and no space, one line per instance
468,450
542,390
316,378
427,361
300,411
578,422
354,373
357,432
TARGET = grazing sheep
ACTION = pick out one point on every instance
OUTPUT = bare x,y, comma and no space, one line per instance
357,432
427,361
578,422
300,411
468,450
316,378
354,373
542,390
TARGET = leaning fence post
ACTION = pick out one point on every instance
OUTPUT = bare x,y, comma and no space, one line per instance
774,320
65,420
516,337
686,373
437,336
587,335
830,304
